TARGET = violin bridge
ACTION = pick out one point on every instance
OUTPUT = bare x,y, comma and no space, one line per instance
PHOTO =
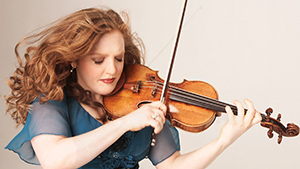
154,89
136,87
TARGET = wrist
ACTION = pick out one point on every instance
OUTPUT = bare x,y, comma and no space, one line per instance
222,143
122,124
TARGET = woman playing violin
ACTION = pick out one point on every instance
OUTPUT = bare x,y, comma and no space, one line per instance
57,94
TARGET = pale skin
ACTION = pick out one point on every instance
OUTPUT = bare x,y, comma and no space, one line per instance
99,72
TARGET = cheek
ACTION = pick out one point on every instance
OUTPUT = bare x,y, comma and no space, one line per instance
120,69
86,72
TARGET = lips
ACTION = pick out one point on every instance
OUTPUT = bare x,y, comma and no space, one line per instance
108,80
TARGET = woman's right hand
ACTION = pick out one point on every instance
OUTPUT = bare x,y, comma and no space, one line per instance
152,114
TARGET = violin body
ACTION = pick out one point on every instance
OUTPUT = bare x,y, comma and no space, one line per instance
143,85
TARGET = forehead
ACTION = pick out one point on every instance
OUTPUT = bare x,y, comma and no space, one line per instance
110,42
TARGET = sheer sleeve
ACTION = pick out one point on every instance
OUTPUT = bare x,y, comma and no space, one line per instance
167,143
48,118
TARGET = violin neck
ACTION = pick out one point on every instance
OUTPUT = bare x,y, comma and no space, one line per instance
203,101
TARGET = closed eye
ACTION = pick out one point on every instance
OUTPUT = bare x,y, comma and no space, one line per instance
119,59
98,61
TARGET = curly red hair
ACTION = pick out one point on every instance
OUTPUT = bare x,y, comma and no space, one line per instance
45,72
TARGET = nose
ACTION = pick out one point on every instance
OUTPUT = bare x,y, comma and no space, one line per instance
111,67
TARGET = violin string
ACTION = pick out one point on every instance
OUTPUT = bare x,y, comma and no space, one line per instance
191,96
214,105
207,100
194,99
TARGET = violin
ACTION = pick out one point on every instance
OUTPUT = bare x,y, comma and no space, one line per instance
196,102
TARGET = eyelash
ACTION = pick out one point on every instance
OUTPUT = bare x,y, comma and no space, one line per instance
120,60
99,62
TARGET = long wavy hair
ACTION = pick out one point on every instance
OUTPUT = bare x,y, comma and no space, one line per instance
44,71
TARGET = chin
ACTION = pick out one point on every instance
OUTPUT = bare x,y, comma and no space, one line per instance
106,92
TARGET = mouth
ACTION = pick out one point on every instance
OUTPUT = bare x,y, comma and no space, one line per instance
108,80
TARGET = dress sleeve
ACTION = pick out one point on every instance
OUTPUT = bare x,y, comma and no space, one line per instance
48,118
167,143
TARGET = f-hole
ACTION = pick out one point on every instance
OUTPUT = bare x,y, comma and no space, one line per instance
142,103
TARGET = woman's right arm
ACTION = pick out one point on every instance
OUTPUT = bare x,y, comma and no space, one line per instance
73,152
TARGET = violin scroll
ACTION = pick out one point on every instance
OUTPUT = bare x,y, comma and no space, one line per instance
292,129
275,125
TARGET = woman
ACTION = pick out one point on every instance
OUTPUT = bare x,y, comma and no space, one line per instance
58,94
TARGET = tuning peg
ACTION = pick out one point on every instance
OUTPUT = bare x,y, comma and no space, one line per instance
270,132
269,111
279,117
279,138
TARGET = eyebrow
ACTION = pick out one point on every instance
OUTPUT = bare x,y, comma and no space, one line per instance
105,55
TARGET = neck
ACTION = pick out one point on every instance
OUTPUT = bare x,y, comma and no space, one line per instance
97,98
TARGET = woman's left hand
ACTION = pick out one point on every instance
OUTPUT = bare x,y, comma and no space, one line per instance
233,129
239,124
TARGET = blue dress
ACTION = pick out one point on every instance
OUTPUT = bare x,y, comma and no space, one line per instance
68,118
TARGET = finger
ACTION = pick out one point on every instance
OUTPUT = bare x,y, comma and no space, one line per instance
155,115
159,105
257,118
240,110
251,111
229,113
159,116
158,122
157,125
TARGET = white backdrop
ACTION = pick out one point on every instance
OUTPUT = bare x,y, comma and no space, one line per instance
245,49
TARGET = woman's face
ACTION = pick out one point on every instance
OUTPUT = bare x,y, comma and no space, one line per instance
101,69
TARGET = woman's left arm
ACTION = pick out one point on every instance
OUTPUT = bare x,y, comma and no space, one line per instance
232,130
